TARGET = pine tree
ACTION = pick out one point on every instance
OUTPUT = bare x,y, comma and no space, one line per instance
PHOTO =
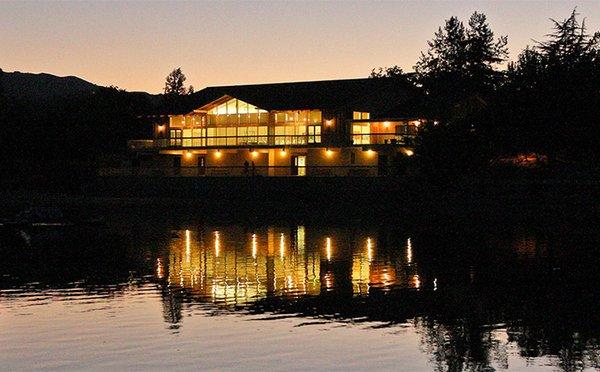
174,83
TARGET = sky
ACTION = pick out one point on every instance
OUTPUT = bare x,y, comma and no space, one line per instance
135,44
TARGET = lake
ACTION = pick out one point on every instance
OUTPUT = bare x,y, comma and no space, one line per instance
140,292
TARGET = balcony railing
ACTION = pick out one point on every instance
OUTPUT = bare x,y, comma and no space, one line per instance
275,141
383,139
241,171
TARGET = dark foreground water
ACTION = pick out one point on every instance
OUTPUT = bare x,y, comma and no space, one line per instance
142,294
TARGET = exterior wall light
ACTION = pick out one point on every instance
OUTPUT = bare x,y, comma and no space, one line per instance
370,152
160,128
283,152
328,152
386,124
409,152
188,154
218,154
254,153
329,122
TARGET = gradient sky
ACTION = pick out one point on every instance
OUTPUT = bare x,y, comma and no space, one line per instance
134,45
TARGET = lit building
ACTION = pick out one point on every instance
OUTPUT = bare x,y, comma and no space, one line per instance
357,127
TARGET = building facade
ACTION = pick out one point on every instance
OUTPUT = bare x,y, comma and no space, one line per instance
324,128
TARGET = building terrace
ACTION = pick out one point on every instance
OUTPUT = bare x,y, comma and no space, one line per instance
336,127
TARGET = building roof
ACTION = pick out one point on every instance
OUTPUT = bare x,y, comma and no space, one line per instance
370,94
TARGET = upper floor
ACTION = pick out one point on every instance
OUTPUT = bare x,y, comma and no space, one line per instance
331,113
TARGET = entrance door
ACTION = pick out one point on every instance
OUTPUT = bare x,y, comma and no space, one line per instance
201,165
298,167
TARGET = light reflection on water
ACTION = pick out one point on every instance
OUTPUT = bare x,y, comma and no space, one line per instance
230,266
426,301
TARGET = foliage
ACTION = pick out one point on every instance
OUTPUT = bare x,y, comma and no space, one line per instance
551,102
174,82
387,72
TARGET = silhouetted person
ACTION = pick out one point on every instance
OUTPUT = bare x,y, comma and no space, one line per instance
246,165
253,168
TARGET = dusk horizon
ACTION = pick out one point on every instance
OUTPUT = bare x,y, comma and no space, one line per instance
134,46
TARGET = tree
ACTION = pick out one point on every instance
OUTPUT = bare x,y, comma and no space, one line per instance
387,72
552,99
459,75
174,83
461,62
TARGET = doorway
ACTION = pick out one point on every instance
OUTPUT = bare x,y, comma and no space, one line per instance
201,165
298,167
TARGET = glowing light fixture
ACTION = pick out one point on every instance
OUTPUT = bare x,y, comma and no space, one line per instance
283,152
369,249
328,152
328,249
254,246
160,128
329,122
188,154
386,124
409,152
218,154
370,152
254,153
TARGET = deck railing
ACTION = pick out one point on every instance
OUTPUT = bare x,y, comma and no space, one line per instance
266,141
242,171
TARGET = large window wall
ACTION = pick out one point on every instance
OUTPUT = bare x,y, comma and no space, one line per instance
381,132
237,123
298,127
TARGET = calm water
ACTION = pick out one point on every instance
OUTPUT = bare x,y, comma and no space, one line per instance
139,294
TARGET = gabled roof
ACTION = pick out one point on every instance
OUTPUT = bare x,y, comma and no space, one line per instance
370,94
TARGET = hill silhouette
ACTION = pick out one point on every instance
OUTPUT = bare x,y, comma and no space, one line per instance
43,86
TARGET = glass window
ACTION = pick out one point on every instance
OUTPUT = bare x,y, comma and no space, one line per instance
231,133
263,131
198,137
187,138
315,116
211,133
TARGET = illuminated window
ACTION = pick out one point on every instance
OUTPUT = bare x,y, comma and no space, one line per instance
361,134
314,134
198,135
358,115
187,138
175,137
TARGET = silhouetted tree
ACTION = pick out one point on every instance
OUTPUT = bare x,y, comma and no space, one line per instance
459,75
174,83
551,104
460,63
387,72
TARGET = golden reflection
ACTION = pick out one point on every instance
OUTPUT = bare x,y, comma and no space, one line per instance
220,270
160,270
415,281
217,244
328,248
187,246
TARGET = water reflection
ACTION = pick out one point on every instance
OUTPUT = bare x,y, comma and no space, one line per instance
473,297
467,304
231,266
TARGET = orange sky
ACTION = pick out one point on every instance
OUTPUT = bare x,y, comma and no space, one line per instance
134,45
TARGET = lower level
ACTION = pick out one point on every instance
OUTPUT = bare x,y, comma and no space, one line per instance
313,161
